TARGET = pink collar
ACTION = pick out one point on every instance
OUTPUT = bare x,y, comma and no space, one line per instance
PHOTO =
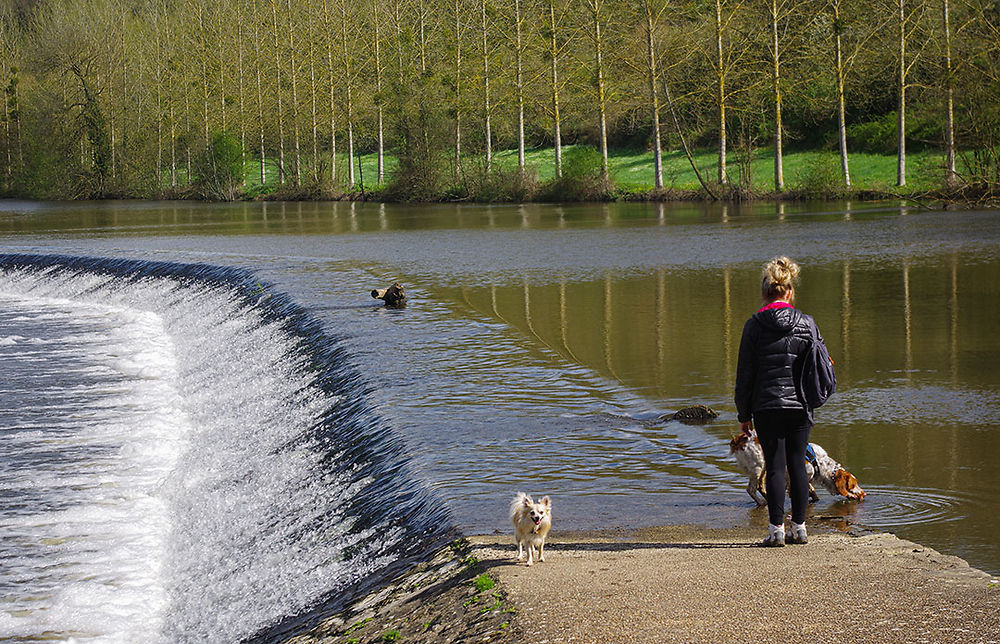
777,304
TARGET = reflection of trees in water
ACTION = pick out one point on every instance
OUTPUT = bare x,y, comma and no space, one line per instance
672,331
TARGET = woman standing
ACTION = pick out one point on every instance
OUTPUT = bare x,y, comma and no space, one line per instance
775,339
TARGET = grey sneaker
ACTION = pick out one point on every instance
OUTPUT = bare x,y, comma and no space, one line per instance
797,535
774,539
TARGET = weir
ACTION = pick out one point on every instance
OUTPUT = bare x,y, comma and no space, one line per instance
233,478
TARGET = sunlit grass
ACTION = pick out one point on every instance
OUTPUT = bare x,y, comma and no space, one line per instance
632,171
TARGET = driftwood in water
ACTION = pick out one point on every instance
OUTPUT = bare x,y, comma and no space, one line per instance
394,296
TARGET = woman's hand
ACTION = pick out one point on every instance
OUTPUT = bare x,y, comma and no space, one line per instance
747,427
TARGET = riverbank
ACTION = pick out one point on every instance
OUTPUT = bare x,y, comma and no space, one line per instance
680,584
812,175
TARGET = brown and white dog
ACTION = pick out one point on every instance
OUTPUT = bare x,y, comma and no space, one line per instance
826,471
532,522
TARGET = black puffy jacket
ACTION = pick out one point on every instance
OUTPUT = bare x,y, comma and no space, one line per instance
771,350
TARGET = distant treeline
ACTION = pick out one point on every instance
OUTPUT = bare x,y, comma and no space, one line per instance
232,98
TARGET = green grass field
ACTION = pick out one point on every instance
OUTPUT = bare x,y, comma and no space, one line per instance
632,171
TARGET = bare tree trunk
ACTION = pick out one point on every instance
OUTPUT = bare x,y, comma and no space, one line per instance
486,93
950,177
458,90
112,128
203,44
554,54
378,95
312,95
422,24
779,174
721,71
157,178
519,82
841,108
6,136
295,95
347,88
187,145
595,7
243,118
328,28
277,92
901,92
260,93
125,98
222,77
654,100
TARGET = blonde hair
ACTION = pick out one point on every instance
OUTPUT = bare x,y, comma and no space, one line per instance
778,279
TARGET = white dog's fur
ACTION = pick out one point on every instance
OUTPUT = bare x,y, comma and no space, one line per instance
532,522
831,475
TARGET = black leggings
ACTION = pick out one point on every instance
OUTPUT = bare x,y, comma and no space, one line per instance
784,435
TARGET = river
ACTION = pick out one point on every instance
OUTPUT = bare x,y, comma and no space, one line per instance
541,344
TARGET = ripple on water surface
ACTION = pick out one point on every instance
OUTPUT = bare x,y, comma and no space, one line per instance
887,507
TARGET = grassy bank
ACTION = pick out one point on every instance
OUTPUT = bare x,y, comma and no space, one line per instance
808,174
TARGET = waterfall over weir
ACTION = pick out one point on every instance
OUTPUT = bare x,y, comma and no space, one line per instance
186,456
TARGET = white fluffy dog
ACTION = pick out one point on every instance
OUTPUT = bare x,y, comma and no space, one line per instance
532,522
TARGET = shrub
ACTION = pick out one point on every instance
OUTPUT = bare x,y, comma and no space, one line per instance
504,185
218,169
582,177
821,179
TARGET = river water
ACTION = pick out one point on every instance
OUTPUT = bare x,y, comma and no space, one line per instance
540,346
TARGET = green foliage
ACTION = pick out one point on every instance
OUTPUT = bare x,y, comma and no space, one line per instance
392,636
820,179
483,582
879,136
218,169
421,175
582,177
503,185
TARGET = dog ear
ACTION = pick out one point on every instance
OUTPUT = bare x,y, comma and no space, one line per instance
547,502
842,481
526,500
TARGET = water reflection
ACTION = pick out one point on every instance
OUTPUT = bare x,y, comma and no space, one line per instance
127,217
662,332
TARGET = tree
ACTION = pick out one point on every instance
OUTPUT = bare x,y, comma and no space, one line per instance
380,135
554,85
652,10
487,132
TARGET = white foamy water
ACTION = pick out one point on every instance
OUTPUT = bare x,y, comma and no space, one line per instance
91,427
169,466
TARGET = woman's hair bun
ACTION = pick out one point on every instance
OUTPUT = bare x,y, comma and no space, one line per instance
779,276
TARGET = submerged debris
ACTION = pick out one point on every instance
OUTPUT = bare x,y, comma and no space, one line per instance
695,414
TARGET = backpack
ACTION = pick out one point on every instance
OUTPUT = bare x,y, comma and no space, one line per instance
818,381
